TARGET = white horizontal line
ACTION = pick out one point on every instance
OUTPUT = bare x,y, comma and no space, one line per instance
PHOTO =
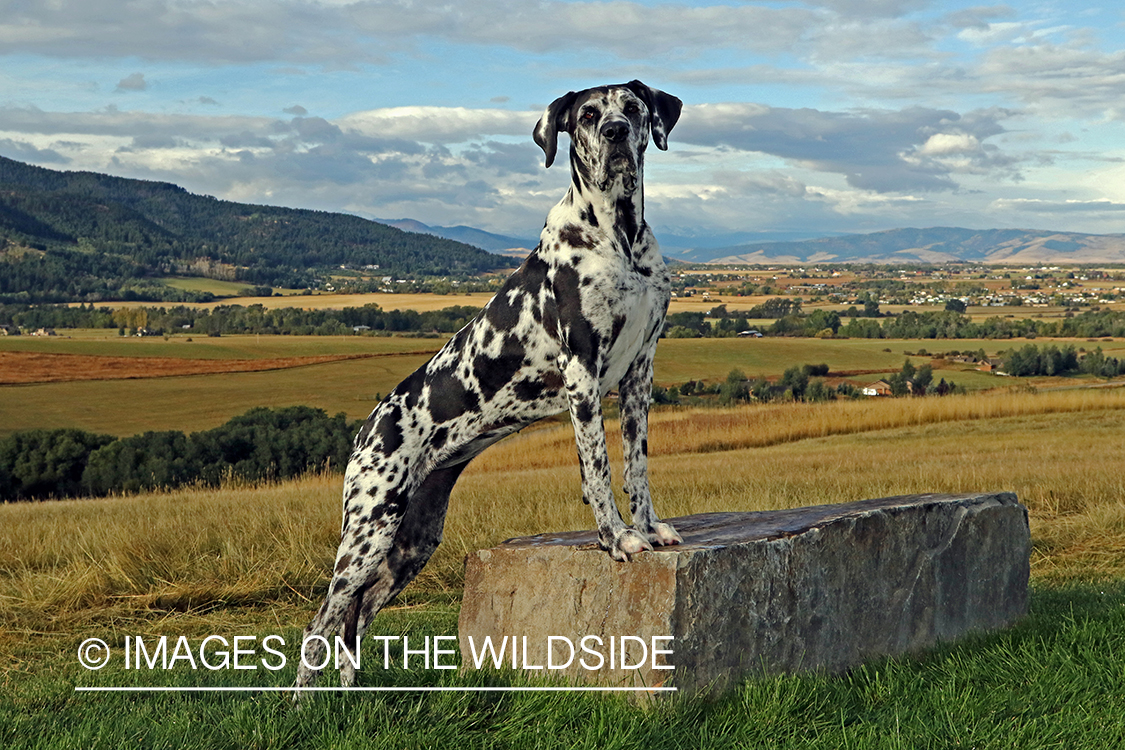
391,689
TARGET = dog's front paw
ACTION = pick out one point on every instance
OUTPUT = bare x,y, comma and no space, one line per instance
627,543
663,534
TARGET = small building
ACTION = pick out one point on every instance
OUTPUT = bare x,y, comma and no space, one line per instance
45,332
9,330
750,335
991,364
878,388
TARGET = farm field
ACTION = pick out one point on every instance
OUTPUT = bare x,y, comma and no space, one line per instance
325,301
100,342
429,302
254,561
345,374
217,287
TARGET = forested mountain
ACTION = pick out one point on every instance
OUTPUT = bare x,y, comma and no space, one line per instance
85,236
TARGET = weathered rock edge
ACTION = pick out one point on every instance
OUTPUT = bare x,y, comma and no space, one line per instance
818,588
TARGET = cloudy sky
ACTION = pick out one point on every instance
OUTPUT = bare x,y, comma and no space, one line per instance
801,116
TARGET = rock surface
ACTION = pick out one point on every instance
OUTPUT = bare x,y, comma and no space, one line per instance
819,588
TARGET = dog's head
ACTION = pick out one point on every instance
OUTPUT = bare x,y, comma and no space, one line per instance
609,128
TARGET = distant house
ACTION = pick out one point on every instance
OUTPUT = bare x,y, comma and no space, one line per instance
750,335
9,330
360,329
991,364
878,388
44,332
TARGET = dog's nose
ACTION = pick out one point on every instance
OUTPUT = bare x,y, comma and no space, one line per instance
615,131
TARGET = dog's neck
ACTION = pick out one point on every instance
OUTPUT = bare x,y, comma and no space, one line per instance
611,207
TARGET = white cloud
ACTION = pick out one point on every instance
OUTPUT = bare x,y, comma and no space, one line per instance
440,124
132,82
944,144
1039,205
878,150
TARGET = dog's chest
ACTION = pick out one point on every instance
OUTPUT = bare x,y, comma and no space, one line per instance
625,301
643,309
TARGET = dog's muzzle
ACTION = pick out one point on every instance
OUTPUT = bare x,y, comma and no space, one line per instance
620,162
620,159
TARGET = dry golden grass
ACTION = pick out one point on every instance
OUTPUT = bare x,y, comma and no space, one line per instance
677,431
70,564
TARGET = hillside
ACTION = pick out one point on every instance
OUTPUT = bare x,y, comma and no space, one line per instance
933,245
67,236
495,243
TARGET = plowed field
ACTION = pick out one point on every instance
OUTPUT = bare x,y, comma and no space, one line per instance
18,368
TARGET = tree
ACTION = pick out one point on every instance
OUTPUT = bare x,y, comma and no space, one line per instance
794,381
922,379
39,464
871,307
142,462
735,388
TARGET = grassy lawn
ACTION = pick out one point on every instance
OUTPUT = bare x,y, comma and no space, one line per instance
1053,681
254,561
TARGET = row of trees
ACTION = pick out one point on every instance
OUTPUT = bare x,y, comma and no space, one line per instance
803,383
1051,360
262,444
230,319
869,323
947,324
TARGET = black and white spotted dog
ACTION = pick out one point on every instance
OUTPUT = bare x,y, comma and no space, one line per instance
579,318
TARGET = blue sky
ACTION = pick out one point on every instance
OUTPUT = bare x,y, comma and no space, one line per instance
804,116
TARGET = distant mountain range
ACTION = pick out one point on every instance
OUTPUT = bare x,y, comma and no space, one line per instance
933,245
494,243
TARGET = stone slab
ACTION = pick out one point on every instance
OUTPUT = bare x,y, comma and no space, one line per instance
818,588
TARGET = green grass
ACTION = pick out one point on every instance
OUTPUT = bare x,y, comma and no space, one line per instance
204,401
1054,681
216,287
199,402
679,360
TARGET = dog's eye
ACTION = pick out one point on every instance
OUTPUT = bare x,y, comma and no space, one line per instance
588,115
631,108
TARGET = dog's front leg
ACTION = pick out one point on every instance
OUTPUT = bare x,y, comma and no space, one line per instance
635,391
584,398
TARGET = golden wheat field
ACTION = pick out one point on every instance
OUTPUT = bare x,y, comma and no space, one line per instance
68,565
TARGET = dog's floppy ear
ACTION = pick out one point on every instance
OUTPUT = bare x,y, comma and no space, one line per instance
555,118
664,109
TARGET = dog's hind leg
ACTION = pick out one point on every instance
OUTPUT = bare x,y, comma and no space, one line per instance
379,554
418,536
376,496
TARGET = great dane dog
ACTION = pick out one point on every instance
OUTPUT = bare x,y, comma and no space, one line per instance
579,318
